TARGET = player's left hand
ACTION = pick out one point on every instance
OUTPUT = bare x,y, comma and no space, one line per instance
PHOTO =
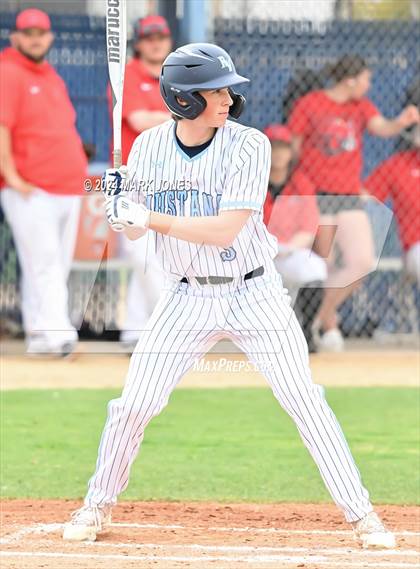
409,116
114,181
123,211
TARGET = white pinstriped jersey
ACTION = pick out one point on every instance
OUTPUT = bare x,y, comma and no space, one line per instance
188,320
230,174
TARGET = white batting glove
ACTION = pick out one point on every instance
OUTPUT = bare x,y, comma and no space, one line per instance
114,181
118,227
123,211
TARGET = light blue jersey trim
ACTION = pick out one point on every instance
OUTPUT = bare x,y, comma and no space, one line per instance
185,156
240,205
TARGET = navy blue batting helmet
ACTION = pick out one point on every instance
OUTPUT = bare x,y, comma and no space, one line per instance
198,67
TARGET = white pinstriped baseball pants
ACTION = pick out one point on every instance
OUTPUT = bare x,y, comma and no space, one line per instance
186,323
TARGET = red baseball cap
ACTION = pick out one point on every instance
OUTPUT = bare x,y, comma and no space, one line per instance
152,25
278,132
33,18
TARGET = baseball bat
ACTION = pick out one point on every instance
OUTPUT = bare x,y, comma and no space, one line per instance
116,49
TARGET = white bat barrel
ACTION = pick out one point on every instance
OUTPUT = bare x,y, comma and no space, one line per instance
116,44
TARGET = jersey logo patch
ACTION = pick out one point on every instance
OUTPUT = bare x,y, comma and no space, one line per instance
225,62
228,254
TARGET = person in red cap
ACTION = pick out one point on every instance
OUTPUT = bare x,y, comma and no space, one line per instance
42,169
291,214
143,108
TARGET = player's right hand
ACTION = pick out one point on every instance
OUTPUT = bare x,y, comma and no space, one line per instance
114,181
123,211
118,227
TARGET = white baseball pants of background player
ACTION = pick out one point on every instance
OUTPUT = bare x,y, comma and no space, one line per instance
44,228
144,289
187,321
412,261
301,267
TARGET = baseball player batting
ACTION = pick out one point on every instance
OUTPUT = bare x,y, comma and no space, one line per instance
202,180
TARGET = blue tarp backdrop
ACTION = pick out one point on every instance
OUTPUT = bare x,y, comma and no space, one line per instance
268,53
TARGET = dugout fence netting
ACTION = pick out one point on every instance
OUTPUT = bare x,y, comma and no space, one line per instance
278,56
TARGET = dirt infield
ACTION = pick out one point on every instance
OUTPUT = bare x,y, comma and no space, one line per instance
158,535
155,535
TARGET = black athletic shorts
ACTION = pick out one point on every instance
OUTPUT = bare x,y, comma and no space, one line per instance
331,204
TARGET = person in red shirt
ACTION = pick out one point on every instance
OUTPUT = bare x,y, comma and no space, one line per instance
291,214
328,125
398,178
42,169
143,108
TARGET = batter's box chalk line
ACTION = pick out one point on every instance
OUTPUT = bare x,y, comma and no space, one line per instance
241,554
51,528
25,531
249,529
255,549
317,560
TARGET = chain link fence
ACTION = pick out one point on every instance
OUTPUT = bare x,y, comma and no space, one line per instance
312,76
290,61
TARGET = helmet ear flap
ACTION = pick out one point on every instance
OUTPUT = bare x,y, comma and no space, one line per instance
238,105
186,105
201,103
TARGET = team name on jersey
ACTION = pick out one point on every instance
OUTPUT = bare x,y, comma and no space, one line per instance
184,202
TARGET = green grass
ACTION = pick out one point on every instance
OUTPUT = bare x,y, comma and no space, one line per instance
222,445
